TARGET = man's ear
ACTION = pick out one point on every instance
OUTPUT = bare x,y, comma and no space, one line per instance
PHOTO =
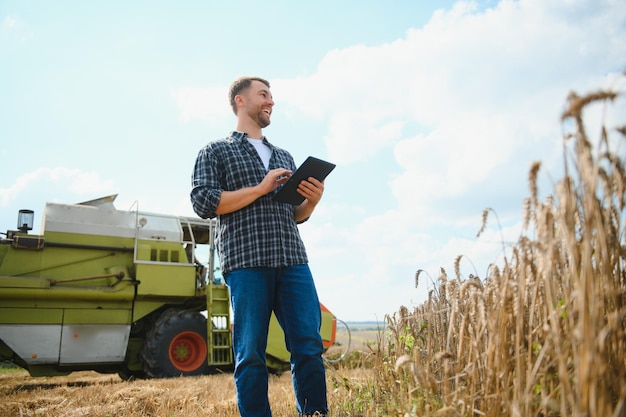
240,100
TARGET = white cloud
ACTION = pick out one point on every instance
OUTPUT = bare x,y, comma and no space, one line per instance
78,182
60,184
9,22
485,91
512,63
13,28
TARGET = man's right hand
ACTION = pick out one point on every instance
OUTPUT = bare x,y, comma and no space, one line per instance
273,179
234,200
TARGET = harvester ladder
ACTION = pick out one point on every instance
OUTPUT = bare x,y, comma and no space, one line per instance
219,335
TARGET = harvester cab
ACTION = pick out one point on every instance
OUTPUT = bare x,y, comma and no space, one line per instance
121,291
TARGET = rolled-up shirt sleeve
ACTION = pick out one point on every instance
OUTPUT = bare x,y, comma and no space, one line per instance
206,190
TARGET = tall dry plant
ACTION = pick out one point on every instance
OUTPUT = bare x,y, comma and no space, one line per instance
545,333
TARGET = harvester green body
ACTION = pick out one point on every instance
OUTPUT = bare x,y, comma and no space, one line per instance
119,291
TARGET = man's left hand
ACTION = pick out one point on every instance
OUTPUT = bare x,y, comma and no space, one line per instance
311,189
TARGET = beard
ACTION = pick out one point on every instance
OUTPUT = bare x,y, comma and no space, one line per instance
261,118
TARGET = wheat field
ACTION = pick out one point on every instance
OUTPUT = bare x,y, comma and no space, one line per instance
542,334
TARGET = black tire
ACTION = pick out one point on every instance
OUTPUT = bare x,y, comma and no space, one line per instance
176,345
128,375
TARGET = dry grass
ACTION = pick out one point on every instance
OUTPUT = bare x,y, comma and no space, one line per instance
545,333
93,394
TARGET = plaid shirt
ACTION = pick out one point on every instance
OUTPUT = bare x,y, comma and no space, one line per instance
262,234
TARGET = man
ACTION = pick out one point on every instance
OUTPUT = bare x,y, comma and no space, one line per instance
262,256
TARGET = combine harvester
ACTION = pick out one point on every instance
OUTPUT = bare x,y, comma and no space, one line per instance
119,292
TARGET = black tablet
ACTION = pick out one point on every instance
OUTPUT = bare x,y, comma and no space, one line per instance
311,167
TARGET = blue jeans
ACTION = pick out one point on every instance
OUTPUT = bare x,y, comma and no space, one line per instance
290,293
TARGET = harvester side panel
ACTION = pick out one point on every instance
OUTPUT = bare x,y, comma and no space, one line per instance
20,261
65,297
34,344
29,315
97,316
170,280
89,343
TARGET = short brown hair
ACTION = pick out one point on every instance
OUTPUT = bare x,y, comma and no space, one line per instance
239,85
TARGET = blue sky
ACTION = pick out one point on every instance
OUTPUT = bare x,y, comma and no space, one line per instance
432,111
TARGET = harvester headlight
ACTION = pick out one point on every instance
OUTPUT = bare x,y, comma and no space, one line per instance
25,220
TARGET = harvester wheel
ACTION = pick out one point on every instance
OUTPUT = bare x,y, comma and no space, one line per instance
176,345
128,375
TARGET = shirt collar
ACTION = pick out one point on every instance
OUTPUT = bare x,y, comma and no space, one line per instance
242,136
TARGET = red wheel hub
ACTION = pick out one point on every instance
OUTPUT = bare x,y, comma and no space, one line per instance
188,351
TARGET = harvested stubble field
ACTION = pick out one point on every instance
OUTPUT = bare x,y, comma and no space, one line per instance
107,395
93,394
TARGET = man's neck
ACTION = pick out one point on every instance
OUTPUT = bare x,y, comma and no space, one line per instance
253,130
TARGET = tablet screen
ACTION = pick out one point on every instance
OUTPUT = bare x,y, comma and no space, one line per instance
311,167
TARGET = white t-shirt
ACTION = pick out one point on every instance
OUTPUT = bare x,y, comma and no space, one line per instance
263,150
